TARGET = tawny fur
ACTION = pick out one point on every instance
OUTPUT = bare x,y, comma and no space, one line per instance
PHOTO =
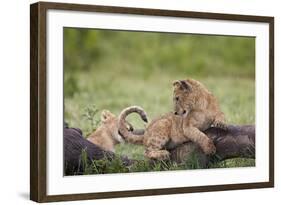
106,135
195,110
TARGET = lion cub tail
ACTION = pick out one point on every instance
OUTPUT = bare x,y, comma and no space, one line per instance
122,128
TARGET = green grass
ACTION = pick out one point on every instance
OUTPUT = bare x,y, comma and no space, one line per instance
236,97
113,70
108,165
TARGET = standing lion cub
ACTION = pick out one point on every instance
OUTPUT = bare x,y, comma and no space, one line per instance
195,110
106,135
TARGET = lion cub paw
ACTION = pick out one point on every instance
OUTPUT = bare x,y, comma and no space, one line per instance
219,124
209,148
158,154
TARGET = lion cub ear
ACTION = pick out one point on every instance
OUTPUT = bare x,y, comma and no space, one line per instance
177,84
104,115
182,84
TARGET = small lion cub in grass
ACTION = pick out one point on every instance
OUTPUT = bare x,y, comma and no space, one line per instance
195,110
106,135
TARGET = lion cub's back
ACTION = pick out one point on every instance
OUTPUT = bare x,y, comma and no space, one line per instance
170,123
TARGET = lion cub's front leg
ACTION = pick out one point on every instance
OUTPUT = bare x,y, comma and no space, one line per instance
195,135
192,126
219,121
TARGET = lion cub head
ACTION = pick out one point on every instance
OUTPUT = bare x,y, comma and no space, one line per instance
189,95
106,135
110,122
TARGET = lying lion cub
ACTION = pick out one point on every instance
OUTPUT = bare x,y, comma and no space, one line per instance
195,110
106,136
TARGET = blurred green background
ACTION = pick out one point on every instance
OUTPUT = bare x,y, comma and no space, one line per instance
105,69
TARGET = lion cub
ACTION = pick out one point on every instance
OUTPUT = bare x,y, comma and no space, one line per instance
106,135
195,110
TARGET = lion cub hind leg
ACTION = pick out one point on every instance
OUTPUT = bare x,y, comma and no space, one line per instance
195,135
156,138
154,147
157,154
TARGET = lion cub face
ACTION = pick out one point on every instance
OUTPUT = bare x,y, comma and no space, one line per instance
183,98
106,135
110,122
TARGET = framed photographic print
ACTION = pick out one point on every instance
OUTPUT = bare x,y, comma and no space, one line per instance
134,102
